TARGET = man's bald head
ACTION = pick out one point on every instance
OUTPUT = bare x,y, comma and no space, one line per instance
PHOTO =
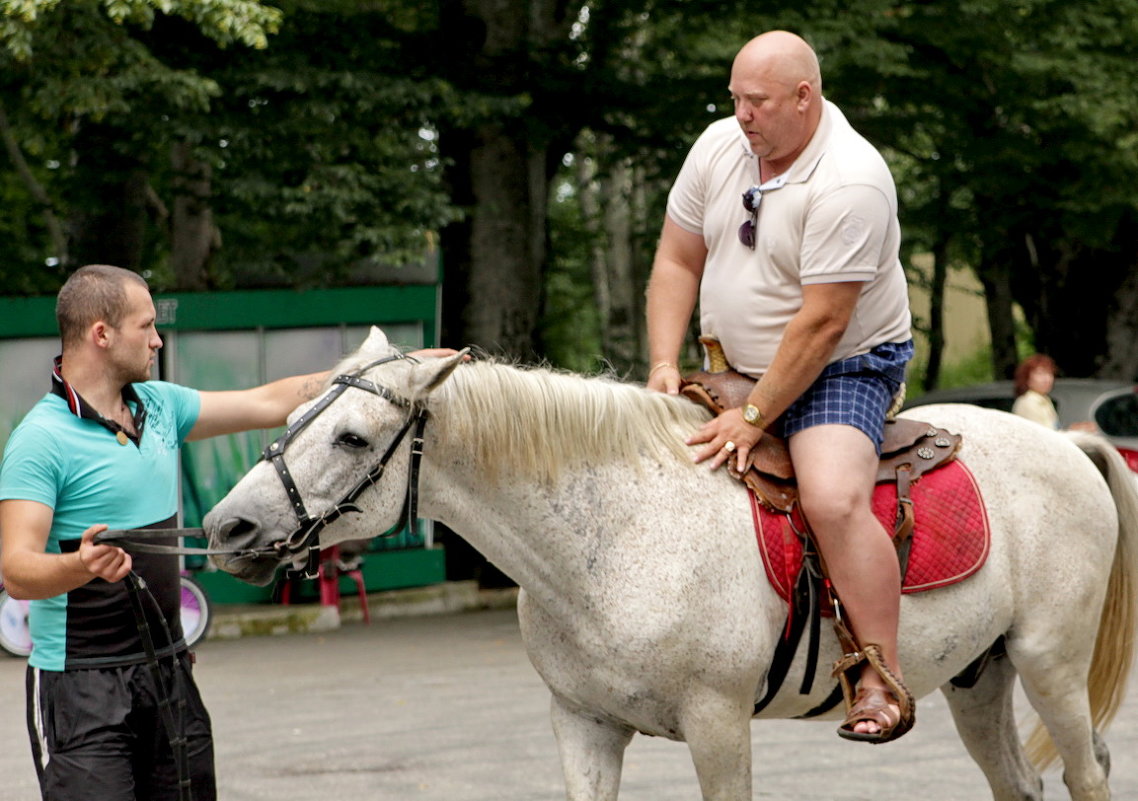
776,87
781,56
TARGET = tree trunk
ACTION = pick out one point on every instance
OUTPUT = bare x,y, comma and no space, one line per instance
507,243
492,261
110,227
936,312
607,203
621,322
1088,324
115,233
55,231
996,280
1121,360
499,172
193,235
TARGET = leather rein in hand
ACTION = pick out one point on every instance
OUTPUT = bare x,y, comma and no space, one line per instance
306,536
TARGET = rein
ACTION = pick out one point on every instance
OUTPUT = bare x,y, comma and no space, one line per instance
306,536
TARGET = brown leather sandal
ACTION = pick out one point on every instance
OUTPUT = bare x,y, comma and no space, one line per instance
873,704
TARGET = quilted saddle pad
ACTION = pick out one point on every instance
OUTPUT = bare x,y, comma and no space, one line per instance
951,535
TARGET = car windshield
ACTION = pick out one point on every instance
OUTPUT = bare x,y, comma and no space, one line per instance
1118,416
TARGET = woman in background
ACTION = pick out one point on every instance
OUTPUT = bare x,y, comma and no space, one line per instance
1034,379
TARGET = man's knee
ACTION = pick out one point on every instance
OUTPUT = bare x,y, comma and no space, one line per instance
836,468
832,512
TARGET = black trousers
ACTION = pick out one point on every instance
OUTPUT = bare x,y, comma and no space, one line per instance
98,735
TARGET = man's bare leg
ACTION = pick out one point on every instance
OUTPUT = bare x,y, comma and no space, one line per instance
836,466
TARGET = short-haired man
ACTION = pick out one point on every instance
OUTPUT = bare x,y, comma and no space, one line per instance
101,450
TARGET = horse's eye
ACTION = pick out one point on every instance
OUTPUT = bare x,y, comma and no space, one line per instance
350,440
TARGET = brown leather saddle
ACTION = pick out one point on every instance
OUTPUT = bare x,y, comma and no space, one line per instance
910,450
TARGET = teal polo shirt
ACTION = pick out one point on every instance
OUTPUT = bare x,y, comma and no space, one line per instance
87,475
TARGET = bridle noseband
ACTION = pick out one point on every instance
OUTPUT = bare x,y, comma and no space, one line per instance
306,536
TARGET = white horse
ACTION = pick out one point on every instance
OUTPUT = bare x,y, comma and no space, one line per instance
644,604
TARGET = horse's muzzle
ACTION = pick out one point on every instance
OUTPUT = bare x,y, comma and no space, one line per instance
254,560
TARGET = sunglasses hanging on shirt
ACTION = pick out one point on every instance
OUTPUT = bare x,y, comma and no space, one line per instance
749,230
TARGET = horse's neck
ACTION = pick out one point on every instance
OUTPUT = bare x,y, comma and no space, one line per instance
544,537
508,522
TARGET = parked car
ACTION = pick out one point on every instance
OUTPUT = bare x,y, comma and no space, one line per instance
1112,406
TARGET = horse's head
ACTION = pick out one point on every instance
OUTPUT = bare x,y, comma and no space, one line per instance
346,458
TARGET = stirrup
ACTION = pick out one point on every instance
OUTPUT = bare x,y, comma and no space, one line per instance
863,705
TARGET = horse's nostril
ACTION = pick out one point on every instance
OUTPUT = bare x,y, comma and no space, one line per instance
238,526
237,532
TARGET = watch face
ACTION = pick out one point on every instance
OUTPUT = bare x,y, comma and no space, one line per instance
750,413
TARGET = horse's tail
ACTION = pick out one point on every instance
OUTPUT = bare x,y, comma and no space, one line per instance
1114,649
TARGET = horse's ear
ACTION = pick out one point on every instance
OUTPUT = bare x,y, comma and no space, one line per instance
426,376
376,342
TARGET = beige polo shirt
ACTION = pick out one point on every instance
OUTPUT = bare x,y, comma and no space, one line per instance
831,217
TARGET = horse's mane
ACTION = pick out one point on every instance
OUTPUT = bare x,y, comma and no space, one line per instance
534,420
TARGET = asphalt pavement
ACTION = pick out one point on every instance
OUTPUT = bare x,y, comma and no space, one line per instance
446,707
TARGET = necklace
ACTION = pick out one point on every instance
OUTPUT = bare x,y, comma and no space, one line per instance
78,406
126,424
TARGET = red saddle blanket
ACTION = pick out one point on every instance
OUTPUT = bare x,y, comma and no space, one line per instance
950,533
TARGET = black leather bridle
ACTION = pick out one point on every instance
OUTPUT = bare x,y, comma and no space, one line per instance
306,536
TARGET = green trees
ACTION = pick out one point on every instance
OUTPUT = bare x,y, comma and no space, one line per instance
1013,127
228,143
85,107
165,136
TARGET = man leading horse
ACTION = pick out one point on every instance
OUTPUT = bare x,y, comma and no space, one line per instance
99,450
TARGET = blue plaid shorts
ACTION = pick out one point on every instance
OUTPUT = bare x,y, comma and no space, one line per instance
857,392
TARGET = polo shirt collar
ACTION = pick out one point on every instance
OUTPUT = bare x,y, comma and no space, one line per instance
774,183
808,160
81,409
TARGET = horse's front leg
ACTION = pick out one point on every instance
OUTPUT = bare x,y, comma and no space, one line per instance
717,730
592,753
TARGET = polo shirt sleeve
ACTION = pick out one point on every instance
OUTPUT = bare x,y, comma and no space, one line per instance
688,195
186,404
30,469
845,234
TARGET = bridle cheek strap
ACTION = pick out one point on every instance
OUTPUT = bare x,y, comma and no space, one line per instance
307,533
306,536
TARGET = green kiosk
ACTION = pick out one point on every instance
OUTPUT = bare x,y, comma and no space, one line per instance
233,340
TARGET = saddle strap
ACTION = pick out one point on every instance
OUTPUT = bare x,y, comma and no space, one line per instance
903,527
